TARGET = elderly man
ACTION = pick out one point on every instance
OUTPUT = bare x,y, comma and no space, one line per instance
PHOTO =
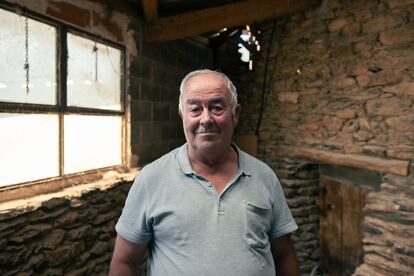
206,208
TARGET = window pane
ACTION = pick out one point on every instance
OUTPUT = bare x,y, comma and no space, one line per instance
41,57
94,74
91,142
28,146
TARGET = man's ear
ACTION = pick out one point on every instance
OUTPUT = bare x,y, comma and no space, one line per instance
179,112
236,115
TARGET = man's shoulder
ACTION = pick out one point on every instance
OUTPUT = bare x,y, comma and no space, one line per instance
163,163
253,163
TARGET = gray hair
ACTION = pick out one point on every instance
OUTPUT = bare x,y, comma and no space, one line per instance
230,86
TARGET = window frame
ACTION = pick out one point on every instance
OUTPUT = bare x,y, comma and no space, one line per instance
51,184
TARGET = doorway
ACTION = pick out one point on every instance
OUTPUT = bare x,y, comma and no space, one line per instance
341,204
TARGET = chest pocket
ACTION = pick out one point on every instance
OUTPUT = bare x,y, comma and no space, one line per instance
257,221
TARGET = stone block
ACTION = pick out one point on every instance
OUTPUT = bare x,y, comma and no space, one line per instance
53,239
99,248
404,88
403,35
374,150
364,124
85,270
64,253
87,215
67,219
363,15
54,203
332,123
291,97
387,106
403,123
102,218
347,113
363,136
40,216
383,78
363,48
382,22
79,233
399,3
401,152
342,82
337,24
352,29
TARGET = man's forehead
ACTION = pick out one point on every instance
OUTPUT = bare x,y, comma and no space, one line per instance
206,82
205,101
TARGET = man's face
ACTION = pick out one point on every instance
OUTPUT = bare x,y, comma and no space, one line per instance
207,116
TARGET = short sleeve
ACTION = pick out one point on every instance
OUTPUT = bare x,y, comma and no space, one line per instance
134,224
282,219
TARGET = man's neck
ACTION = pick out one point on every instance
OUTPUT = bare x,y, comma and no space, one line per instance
209,163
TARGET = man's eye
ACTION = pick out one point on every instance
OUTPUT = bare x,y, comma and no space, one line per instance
194,109
217,108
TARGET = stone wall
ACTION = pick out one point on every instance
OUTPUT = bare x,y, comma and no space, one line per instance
341,79
63,235
300,180
74,235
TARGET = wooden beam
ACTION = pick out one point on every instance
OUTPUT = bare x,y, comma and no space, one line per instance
378,164
150,8
225,16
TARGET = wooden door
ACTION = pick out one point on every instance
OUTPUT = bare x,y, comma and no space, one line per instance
340,226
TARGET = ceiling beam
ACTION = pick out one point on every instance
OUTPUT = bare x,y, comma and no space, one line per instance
225,16
150,8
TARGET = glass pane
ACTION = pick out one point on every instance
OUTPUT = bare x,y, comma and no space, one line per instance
92,142
94,74
41,57
29,147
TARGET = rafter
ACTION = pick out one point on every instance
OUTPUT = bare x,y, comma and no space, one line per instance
150,8
230,15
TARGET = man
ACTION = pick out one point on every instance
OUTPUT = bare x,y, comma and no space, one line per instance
206,208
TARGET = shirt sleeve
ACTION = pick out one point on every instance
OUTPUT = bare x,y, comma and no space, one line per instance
134,224
282,220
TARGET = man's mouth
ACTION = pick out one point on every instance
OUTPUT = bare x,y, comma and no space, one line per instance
204,130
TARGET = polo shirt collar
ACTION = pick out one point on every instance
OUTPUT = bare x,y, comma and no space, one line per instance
185,166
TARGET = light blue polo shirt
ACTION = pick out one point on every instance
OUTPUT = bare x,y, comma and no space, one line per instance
194,231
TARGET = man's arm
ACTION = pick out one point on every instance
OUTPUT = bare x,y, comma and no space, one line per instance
126,258
284,256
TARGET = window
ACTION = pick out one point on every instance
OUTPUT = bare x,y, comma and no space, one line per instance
61,100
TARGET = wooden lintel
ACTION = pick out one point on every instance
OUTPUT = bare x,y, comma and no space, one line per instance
225,16
378,164
150,8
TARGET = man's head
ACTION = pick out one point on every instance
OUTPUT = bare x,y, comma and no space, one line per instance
230,86
209,109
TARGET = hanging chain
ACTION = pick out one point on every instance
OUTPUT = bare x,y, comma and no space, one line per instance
95,50
26,62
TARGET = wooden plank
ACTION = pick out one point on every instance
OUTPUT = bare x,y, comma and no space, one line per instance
225,16
378,164
353,201
331,227
150,8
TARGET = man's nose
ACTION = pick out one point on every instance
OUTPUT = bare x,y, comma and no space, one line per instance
205,117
